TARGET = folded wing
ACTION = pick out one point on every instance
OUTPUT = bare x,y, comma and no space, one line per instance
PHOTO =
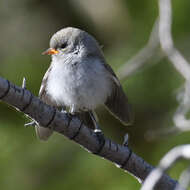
44,133
117,103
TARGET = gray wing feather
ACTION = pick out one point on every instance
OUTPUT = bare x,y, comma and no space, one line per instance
117,103
44,133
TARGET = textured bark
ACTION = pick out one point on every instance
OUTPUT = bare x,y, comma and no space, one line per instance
74,129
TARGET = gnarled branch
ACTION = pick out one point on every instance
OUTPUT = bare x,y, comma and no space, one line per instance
48,116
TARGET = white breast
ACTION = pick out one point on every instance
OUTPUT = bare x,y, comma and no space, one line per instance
84,85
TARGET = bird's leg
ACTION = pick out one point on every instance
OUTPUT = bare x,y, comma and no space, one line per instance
63,109
70,114
98,131
72,109
93,117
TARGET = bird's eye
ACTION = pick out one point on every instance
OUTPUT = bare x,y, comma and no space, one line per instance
64,45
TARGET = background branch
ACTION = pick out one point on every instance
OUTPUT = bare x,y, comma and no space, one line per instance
166,162
181,123
184,179
141,58
179,62
162,36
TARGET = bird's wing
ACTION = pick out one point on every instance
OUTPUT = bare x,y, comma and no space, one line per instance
117,102
44,133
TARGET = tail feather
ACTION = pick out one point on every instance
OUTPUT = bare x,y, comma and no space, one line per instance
43,133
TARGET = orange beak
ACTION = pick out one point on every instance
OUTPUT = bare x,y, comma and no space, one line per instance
50,51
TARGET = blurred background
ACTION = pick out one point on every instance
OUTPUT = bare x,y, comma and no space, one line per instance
123,28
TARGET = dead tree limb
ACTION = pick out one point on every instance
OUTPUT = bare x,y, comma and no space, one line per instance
47,116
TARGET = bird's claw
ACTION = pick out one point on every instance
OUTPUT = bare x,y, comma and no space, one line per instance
98,131
101,138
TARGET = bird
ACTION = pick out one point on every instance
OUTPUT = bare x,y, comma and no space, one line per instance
79,80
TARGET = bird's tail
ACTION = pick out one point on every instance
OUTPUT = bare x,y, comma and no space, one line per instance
43,133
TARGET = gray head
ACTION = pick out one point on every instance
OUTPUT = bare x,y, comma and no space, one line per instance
73,40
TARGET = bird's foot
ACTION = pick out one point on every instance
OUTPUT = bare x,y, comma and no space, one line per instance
96,126
63,110
72,110
101,139
69,114
98,130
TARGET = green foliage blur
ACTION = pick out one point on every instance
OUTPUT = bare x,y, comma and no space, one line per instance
123,28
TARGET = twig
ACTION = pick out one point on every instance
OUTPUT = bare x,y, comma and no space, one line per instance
181,65
126,140
24,82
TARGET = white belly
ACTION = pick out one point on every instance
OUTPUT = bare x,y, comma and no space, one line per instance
84,86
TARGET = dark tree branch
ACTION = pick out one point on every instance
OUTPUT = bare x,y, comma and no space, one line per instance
49,117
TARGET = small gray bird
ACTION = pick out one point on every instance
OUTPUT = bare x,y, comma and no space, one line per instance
79,80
